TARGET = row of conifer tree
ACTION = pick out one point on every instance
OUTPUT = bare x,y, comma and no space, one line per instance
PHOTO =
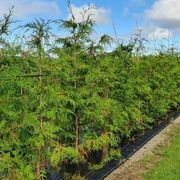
62,102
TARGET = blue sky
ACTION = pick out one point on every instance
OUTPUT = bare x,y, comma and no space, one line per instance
159,19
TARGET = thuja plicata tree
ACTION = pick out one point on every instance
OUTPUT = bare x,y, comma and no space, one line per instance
69,103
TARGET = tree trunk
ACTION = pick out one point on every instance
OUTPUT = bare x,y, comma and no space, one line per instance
38,164
105,152
76,132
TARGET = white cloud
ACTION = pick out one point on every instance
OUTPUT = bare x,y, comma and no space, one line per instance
166,13
26,8
159,33
99,15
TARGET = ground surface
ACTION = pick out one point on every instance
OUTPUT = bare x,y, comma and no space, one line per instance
159,159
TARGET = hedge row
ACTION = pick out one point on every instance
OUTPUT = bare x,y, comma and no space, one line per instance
60,109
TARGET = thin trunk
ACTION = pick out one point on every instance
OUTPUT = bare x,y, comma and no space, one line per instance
138,59
21,79
77,132
41,164
21,87
38,169
138,56
75,86
105,151
41,97
76,123
40,84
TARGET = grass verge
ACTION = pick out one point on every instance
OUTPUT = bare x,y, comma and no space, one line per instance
165,162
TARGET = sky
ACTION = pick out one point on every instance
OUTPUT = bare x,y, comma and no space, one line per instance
159,19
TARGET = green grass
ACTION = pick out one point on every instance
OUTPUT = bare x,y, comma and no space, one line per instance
168,165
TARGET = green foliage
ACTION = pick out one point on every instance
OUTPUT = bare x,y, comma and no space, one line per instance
64,153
